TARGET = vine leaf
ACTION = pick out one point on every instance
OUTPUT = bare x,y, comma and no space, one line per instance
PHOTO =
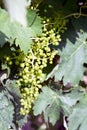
78,118
72,97
12,86
52,104
34,22
73,56
6,111
49,102
12,31
14,91
2,39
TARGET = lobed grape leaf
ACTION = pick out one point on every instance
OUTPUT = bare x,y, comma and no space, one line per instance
49,102
12,31
73,56
78,118
6,111
14,91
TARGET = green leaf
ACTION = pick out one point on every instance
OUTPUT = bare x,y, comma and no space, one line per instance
12,31
14,90
72,58
6,111
34,22
12,86
72,97
78,118
2,39
49,102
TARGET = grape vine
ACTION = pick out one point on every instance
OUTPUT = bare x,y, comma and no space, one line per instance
38,57
32,65
39,66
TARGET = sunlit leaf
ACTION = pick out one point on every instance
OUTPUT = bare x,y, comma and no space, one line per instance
15,33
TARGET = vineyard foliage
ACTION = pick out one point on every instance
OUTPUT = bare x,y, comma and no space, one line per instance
70,66
43,66
23,36
5,108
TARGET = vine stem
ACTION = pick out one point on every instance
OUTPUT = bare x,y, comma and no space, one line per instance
32,58
76,15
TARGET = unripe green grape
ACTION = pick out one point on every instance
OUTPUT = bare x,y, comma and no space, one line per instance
36,95
18,82
22,65
17,62
9,62
26,90
7,58
42,77
39,86
36,89
39,72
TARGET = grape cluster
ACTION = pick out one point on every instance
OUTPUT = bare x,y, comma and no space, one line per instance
38,57
32,65
16,57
